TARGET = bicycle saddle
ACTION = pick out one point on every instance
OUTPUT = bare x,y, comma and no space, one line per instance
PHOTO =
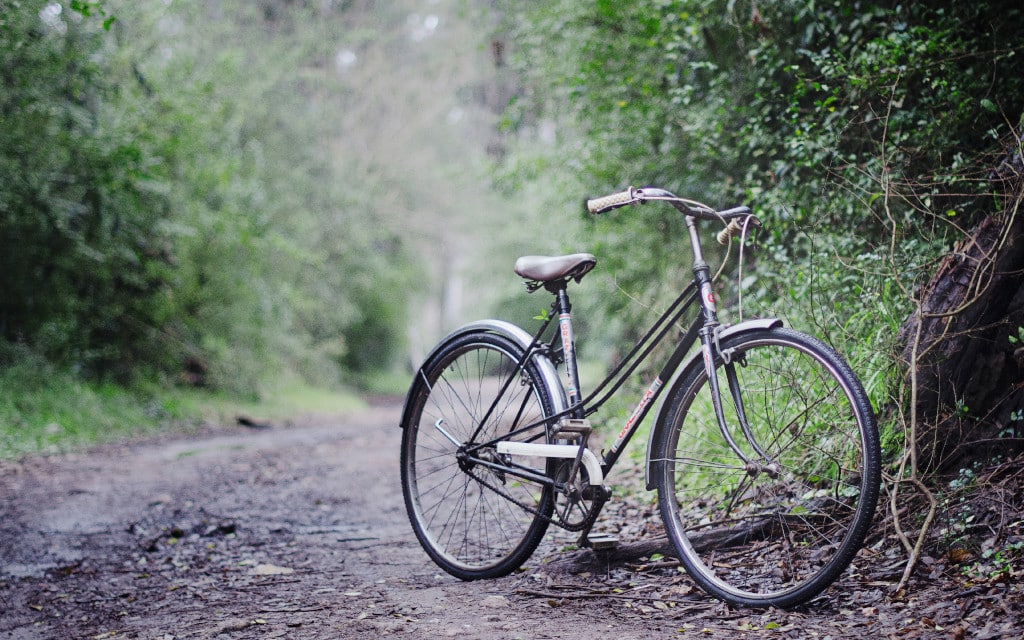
551,268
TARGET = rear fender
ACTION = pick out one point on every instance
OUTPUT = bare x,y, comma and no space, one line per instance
548,373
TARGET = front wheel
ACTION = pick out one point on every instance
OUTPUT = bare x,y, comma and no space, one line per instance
777,529
474,520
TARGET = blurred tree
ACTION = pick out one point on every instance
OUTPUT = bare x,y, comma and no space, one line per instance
170,207
84,265
214,193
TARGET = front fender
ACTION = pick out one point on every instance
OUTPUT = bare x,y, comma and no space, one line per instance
694,360
549,375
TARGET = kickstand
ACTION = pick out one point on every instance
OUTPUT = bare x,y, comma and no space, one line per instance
597,541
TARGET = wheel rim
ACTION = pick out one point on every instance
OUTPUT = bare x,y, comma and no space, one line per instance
470,517
751,535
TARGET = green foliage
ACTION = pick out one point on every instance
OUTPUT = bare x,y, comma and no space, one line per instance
82,262
862,133
169,208
45,409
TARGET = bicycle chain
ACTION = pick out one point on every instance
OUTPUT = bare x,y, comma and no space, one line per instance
587,523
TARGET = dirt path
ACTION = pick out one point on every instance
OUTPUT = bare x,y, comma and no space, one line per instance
300,532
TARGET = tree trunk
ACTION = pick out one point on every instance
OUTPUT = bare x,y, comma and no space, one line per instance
962,348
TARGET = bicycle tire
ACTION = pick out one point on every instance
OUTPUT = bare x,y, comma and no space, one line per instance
474,522
747,537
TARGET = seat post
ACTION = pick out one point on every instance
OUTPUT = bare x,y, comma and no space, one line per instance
564,309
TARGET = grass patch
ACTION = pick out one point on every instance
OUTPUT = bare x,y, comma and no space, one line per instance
58,412
290,399
43,410
388,383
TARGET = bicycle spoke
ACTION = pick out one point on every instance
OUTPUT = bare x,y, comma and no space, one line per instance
789,530
473,520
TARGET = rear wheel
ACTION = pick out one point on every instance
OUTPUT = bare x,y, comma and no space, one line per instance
777,530
474,521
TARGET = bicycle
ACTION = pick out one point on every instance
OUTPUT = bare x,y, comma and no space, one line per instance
764,453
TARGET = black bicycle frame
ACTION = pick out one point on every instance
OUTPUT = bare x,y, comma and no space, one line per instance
703,327
608,387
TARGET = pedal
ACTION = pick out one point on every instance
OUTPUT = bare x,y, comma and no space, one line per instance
602,541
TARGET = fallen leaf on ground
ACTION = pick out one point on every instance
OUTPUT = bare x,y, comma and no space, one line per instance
271,570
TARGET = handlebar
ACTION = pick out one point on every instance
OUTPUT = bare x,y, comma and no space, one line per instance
732,217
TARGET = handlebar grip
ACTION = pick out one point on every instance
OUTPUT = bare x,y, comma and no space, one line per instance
613,201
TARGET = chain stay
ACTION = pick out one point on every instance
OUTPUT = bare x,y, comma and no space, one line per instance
586,523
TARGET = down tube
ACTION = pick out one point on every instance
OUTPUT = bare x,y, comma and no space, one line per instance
644,406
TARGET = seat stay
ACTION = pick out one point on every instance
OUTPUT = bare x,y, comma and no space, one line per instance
520,368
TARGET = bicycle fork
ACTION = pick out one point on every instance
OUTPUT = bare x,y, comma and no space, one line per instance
763,464
710,348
